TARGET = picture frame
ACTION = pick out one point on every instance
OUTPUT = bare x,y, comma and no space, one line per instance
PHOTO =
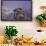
16,10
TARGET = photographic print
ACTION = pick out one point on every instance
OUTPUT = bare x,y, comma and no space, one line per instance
16,10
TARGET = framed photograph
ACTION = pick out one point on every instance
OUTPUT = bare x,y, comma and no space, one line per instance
16,10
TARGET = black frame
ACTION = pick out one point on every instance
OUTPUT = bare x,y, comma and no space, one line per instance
10,20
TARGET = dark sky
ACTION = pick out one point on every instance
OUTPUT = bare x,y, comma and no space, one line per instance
17,0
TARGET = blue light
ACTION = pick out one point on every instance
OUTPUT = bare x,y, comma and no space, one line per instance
17,0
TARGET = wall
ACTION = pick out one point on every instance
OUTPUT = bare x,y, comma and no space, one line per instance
26,28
